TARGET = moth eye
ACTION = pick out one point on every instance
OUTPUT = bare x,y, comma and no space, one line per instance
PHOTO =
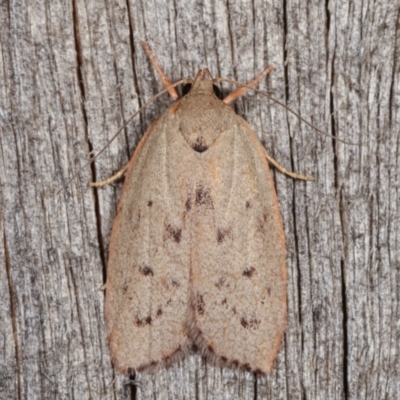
186,89
217,92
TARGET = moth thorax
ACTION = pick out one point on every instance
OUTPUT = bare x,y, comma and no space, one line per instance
203,118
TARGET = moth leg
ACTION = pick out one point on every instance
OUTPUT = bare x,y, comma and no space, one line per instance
164,78
111,179
242,90
285,171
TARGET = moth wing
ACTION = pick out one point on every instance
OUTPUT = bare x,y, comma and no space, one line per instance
239,271
147,274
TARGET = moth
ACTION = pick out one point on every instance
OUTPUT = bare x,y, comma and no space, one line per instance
197,251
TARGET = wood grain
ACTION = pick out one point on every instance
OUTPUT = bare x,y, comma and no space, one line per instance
72,72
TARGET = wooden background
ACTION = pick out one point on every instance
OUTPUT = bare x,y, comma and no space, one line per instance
73,71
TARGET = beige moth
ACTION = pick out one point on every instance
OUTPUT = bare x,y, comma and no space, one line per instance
197,251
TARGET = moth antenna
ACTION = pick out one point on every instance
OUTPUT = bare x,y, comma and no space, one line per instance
164,78
242,90
248,86
182,81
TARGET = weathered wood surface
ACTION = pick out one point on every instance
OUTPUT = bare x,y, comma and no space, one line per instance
72,72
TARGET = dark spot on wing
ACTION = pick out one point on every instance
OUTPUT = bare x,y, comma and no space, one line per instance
125,287
130,371
159,312
224,359
149,203
146,270
258,372
169,283
246,367
169,302
210,348
248,272
188,204
220,282
235,363
200,145
269,290
203,198
174,233
223,234
142,321
223,301
260,225
251,323
194,348
248,205
200,304
234,310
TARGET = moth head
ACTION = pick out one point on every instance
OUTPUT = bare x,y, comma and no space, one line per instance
203,83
